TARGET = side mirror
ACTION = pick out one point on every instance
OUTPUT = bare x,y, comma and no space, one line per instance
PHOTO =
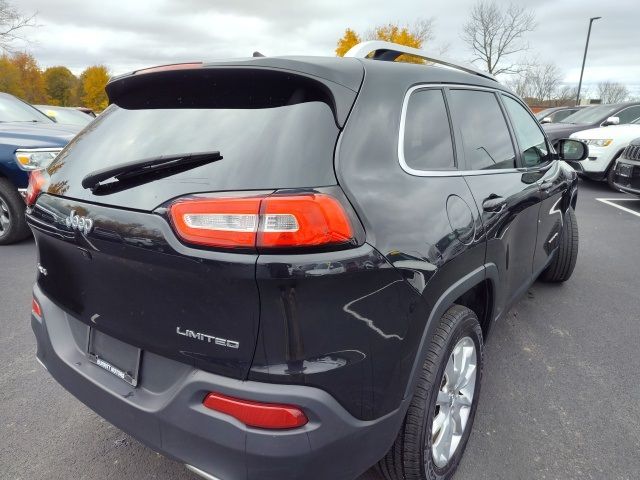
546,120
611,121
572,150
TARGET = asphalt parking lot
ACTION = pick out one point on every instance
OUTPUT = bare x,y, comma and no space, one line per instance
560,395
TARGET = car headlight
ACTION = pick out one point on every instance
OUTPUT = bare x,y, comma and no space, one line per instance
599,142
30,159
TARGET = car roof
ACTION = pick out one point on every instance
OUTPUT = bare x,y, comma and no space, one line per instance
348,72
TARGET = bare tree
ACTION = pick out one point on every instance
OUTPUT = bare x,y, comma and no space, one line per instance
493,34
538,81
13,24
612,92
567,94
546,80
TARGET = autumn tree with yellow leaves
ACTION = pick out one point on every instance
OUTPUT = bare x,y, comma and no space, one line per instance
20,75
412,35
93,80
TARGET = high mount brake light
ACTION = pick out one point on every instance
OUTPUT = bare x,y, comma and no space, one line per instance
257,414
165,68
278,221
38,180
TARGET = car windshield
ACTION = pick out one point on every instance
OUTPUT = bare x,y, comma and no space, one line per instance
14,110
591,115
70,116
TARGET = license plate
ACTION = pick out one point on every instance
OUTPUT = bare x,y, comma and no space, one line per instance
116,357
625,170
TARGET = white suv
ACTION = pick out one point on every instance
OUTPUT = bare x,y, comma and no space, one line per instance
606,144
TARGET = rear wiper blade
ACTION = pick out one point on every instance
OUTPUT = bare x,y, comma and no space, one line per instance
149,168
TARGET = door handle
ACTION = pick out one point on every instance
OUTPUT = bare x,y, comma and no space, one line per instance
494,203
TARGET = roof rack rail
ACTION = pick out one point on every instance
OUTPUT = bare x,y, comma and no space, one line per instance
388,51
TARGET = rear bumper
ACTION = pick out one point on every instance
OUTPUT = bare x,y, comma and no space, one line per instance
165,412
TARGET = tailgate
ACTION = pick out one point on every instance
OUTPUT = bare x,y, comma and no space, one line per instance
131,279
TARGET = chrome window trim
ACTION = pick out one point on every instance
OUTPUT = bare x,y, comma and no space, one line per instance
444,173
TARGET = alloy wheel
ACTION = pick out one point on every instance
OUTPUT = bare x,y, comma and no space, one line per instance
454,401
5,218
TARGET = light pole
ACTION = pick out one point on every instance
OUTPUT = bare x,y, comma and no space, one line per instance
584,59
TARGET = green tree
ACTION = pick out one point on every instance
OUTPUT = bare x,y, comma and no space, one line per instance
10,77
31,78
94,79
61,86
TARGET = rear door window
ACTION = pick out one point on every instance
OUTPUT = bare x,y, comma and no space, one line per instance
427,143
483,130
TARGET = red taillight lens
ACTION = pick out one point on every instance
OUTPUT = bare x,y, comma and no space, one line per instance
257,414
35,308
38,180
278,221
309,220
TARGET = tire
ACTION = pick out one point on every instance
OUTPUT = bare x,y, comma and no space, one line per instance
611,173
411,456
562,265
13,225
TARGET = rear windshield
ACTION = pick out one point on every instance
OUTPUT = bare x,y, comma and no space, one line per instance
287,146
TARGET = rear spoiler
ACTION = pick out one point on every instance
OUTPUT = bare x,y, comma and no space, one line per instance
195,85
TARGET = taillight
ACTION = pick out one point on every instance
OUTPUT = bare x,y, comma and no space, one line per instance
277,221
257,414
35,308
38,179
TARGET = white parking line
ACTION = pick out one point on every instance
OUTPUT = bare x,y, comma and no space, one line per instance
609,201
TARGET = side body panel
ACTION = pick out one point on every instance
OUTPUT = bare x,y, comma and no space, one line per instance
510,232
428,228
557,185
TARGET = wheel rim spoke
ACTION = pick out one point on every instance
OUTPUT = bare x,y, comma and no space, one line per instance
4,217
453,402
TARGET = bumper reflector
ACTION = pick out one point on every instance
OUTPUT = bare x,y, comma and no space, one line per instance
35,308
256,414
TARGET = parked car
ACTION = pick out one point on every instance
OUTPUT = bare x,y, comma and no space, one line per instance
229,348
556,114
65,115
606,144
627,170
28,140
593,117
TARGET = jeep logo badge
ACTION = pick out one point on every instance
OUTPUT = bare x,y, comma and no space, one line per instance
76,222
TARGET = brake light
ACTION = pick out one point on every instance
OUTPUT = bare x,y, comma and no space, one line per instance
38,179
257,414
35,308
165,68
278,221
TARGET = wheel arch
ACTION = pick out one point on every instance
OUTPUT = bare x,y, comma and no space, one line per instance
476,291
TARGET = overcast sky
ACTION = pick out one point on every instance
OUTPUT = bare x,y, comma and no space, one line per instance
126,35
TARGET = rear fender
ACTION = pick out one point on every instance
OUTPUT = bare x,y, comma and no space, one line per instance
441,305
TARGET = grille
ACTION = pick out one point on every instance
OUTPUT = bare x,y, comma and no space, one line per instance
632,152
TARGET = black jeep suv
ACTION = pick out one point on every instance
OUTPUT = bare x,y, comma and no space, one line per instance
286,268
